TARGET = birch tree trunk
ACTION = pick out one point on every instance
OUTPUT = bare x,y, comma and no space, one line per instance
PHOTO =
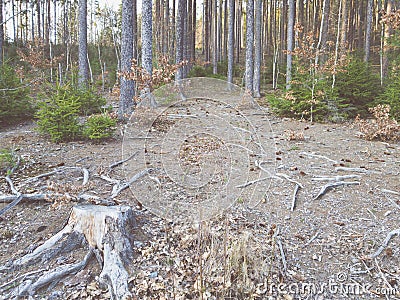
249,46
257,48
368,28
127,86
147,36
83,63
180,19
231,25
290,36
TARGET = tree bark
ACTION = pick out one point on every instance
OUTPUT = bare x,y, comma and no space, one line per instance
257,48
180,19
290,38
249,46
231,42
368,29
147,36
83,72
214,30
127,40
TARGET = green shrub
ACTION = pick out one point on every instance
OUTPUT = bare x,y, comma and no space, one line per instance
358,86
58,115
90,101
390,95
8,160
99,126
15,103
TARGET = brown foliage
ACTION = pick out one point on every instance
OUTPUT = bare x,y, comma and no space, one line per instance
382,127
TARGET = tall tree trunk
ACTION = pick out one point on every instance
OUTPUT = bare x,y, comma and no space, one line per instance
231,42
180,20
323,32
225,45
249,46
387,33
38,12
206,36
135,29
166,27
238,30
147,36
194,26
55,21
127,39
33,21
15,37
344,26
1,32
48,22
290,38
368,29
257,48
214,31
83,63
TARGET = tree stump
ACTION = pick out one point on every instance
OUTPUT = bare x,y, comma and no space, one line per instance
104,229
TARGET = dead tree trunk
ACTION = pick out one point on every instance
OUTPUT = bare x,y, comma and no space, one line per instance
102,228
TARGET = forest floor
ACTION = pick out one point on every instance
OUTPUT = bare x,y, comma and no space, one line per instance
320,249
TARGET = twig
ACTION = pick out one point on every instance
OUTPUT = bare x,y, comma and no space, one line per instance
331,185
116,164
11,184
382,275
279,243
359,170
252,182
319,156
390,192
335,178
11,205
384,244
296,189
289,179
312,239
85,176
124,186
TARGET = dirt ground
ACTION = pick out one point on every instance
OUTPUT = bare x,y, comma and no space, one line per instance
257,250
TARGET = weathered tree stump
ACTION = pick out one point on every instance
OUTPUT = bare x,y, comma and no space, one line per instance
104,229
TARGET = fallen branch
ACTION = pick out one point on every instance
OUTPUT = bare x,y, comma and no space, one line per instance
116,164
319,156
289,179
118,188
331,185
279,243
296,189
312,239
11,205
384,244
335,178
240,186
359,170
390,192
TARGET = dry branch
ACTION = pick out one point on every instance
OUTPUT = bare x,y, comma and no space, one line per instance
331,185
319,156
118,188
358,170
335,178
296,189
384,244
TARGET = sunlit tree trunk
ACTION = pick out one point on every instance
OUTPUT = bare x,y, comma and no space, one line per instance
180,19
344,26
290,38
385,51
249,46
38,12
231,42
166,27
214,31
206,36
55,21
257,48
147,36
368,29
83,62
127,86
